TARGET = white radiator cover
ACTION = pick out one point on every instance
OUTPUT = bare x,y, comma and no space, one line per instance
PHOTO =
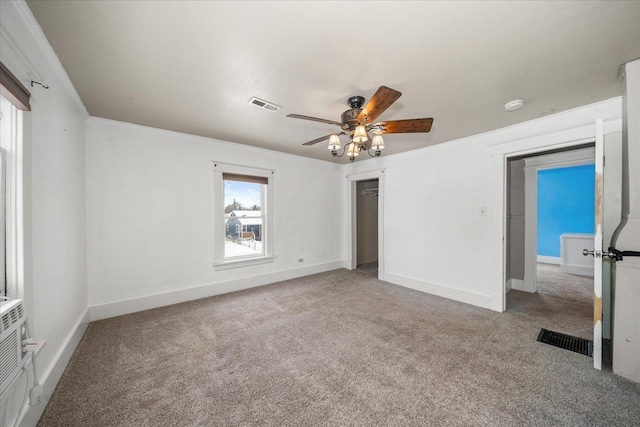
572,261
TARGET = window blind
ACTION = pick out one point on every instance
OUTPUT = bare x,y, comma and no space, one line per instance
245,178
13,90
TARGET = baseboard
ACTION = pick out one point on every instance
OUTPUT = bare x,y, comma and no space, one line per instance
133,305
549,259
54,371
515,284
467,297
579,270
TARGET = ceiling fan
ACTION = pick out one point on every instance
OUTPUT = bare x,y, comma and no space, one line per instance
357,122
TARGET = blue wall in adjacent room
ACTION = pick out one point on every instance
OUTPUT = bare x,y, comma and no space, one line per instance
566,204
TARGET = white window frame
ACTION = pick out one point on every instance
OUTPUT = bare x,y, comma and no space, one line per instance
4,286
11,158
219,235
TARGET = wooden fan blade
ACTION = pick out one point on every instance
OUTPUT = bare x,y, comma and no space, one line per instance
380,101
323,138
406,126
315,141
314,119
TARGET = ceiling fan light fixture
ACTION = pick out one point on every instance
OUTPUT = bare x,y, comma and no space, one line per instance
360,135
378,143
359,120
352,150
334,143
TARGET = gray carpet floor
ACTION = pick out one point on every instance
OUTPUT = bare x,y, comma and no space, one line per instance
553,282
337,348
563,302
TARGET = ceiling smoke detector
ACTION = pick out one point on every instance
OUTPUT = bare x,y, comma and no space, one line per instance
270,106
514,105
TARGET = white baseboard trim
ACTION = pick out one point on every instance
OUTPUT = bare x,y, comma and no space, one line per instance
54,371
133,305
549,259
579,270
479,300
516,284
346,264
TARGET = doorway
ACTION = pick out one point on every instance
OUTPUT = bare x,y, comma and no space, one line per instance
367,226
565,225
373,215
536,211
559,285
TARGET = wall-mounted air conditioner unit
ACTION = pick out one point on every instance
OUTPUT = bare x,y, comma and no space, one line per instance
13,334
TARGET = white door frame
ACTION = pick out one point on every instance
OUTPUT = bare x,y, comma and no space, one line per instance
566,129
352,243
500,156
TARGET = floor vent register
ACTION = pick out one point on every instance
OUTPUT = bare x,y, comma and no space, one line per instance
568,342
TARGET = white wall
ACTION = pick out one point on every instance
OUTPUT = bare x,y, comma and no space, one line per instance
626,334
433,231
55,288
150,217
459,253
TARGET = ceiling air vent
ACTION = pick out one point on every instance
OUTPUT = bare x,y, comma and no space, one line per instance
264,104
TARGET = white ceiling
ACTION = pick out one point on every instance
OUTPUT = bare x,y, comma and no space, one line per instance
191,66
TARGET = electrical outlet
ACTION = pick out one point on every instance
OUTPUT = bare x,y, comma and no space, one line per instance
300,259
36,395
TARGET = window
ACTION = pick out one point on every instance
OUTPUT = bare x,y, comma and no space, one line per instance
9,126
13,98
242,216
3,212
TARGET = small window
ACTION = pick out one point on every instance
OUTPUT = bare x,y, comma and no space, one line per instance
243,213
243,201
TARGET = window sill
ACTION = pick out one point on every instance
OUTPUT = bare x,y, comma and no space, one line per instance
247,262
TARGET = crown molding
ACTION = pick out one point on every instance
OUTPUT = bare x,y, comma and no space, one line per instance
11,48
36,31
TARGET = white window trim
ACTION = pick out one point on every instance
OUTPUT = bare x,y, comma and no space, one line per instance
219,262
4,286
13,216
